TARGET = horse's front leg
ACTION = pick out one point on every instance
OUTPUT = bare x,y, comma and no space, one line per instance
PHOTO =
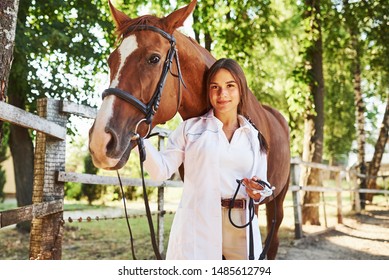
273,248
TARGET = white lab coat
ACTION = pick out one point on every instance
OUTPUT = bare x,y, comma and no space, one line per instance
196,232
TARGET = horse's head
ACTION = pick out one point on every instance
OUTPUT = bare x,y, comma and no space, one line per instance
144,81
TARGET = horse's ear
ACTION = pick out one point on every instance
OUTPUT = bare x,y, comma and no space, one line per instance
177,18
118,16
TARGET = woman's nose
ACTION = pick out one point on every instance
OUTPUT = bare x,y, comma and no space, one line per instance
223,91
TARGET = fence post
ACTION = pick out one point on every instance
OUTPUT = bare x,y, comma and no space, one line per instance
298,230
46,233
339,198
161,211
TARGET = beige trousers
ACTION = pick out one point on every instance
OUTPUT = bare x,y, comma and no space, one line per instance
234,239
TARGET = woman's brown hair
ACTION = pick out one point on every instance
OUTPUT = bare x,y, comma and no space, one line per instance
237,72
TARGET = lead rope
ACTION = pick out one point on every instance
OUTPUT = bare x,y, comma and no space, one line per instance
125,211
249,223
142,158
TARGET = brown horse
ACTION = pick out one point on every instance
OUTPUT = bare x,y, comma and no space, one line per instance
140,97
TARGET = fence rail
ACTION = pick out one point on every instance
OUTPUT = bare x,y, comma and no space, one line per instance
22,118
113,181
29,212
46,212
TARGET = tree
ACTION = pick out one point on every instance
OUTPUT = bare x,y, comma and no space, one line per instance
59,47
91,192
357,47
366,22
8,12
243,32
379,149
378,76
314,119
8,17
339,127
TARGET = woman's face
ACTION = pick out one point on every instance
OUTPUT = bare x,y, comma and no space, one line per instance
224,92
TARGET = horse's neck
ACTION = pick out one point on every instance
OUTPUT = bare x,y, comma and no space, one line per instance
195,61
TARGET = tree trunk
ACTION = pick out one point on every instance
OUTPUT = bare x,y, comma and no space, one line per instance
8,19
22,151
314,121
374,165
207,41
207,35
20,141
360,118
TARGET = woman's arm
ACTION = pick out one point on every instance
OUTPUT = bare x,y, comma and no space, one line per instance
162,164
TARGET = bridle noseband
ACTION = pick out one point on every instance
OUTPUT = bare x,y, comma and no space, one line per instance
152,106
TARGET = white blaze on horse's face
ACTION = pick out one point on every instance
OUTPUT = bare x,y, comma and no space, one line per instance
98,145
126,48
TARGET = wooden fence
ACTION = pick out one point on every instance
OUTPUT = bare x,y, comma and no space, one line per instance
339,172
46,212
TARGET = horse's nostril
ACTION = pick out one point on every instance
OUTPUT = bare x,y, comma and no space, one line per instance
111,144
113,141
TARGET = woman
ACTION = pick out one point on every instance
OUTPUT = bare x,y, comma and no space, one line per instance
216,149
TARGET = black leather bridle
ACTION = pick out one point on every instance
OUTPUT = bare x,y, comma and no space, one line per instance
152,106
149,111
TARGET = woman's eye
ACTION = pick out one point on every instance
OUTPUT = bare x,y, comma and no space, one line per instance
154,59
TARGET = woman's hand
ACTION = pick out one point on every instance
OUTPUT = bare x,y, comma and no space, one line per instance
252,187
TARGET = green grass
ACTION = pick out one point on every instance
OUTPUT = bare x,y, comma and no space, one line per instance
110,239
7,204
96,240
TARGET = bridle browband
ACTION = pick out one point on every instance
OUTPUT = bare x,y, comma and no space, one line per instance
152,106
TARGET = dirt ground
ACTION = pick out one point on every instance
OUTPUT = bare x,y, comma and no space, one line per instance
362,236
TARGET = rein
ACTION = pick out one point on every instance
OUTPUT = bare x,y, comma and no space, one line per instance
142,158
250,224
149,111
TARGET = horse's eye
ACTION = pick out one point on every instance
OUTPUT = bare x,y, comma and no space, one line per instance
154,59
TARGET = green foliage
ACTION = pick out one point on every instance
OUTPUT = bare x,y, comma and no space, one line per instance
3,157
91,192
60,47
73,191
339,129
4,142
